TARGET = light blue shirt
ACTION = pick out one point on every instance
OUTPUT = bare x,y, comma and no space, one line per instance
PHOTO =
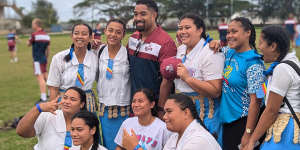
243,75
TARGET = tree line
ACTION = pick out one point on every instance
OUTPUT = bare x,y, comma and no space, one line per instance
211,9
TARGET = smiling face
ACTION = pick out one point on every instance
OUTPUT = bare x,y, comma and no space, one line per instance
269,51
174,116
144,17
237,37
81,36
81,133
70,102
114,33
141,105
188,32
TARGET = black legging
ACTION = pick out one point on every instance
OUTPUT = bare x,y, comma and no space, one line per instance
233,133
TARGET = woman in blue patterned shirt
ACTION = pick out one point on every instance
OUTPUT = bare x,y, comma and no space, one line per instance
242,80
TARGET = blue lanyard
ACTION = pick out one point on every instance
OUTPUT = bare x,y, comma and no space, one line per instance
208,39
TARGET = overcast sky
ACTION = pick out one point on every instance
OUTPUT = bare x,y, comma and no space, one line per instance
64,8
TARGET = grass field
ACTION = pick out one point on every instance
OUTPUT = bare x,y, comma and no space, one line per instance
19,89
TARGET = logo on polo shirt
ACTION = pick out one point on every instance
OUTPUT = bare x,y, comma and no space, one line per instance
148,48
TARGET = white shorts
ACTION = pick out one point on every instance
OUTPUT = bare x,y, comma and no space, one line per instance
39,68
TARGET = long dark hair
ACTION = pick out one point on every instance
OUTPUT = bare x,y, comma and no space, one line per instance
278,35
185,102
92,121
151,97
248,26
68,57
81,93
197,21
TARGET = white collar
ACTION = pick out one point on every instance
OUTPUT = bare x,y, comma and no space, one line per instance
87,56
197,47
60,122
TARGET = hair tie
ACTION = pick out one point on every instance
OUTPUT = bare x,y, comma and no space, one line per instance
71,53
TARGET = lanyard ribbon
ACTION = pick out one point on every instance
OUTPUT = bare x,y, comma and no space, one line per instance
80,76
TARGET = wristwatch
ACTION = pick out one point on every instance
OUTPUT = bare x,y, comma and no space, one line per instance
248,130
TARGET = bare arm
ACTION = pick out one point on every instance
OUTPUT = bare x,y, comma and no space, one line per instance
47,52
25,127
164,92
253,112
267,118
53,92
211,88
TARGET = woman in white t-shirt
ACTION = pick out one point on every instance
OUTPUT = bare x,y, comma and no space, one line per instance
283,82
200,73
148,131
85,131
75,66
182,118
51,125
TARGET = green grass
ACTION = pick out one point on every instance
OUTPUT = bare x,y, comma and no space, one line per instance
19,89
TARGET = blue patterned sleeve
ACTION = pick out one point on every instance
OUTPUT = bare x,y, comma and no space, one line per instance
255,77
225,49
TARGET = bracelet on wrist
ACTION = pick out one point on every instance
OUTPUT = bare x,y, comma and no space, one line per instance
38,107
137,147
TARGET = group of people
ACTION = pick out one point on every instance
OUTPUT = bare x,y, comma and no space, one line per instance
219,95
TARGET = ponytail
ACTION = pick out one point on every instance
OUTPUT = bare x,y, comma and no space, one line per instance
69,56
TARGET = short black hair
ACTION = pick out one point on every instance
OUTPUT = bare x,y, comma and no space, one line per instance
149,3
278,35
117,21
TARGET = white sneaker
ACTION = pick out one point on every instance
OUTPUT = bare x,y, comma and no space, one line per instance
16,59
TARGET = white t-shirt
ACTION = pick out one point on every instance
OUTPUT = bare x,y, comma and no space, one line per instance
202,63
115,91
100,147
50,130
195,137
286,82
152,137
63,74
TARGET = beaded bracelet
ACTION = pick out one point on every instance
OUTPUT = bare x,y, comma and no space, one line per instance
137,147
